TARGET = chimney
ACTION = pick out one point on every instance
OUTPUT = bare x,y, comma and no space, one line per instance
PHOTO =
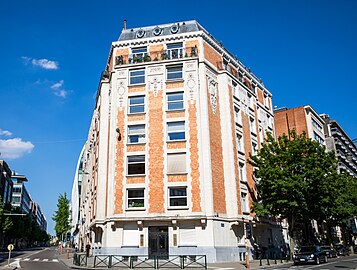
124,26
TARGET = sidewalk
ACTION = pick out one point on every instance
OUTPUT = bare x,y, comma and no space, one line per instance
254,264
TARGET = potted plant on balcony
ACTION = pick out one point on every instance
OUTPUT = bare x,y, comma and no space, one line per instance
147,58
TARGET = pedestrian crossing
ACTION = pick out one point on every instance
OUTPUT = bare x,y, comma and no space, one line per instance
36,260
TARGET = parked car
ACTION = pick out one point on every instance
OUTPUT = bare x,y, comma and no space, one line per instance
330,251
310,254
342,250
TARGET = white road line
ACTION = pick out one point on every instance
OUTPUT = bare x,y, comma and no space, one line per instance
45,260
55,260
36,260
350,260
27,259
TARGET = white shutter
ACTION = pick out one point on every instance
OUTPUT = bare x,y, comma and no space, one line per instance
131,235
188,235
176,163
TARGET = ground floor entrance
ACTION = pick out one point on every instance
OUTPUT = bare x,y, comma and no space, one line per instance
158,241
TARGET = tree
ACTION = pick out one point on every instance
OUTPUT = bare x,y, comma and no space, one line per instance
61,216
5,222
297,179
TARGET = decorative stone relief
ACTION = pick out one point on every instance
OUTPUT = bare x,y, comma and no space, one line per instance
122,74
155,70
121,91
212,82
154,85
191,84
190,66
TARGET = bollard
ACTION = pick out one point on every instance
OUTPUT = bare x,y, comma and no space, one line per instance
268,263
67,253
260,261
275,258
281,258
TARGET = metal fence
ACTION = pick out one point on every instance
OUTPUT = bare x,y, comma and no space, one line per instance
153,262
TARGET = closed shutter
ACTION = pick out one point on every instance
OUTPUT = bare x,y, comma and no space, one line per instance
131,235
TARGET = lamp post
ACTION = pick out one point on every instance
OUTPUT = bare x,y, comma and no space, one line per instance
246,245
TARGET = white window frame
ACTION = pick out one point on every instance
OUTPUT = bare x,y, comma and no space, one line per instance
175,48
179,101
237,115
239,142
242,174
129,163
131,76
244,202
169,72
140,134
183,130
130,106
177,197
130,205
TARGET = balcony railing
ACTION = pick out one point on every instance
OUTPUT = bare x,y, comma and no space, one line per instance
170,54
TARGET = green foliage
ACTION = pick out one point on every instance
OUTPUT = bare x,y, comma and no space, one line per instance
298,180
5,221
61,216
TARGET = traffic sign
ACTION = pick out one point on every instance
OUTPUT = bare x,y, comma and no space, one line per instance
10,247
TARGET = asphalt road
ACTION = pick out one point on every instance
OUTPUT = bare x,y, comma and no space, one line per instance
39,260
341,263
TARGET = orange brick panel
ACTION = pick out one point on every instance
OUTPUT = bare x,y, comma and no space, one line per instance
194,162
119,170
135,180
176,145
236,164
177,178
289,120
155,51
135,148
124,53
171,85
211,54
136,117
260,95
156,153
190,44
136,89
175,114
219,197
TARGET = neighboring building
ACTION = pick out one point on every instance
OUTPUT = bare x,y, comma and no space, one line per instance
175,119
301,119
338,141
76,199
6,184
20,197
22,200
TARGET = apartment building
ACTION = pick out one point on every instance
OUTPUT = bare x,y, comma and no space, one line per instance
301,119
166,172
6,183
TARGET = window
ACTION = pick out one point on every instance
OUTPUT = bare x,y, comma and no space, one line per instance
244,202
237,115
176,131
136,198
318,138
316,125
242,172
176,163
252,124
136,165
254,148
175,50
174,73
138,54
137,76
239,142
175,101
136,134
177,196
137,104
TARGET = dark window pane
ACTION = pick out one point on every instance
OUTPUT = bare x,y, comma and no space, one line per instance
132,159
136,193
176,136
177,192
136,100
175,97
178,202
137,109
136,168
175,106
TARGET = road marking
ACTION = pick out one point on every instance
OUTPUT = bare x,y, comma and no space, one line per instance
55,260
27,259
350,260
36,260
45,260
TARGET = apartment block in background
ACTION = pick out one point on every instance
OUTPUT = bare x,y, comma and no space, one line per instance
301,119
6,184
175,119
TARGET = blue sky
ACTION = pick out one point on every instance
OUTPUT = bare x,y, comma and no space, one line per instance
53,52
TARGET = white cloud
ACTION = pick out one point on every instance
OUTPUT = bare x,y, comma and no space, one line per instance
57,89
14,148
5,132
43,63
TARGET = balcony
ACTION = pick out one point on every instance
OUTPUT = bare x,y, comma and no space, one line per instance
170,54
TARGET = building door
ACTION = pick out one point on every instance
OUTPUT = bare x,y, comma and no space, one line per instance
158,241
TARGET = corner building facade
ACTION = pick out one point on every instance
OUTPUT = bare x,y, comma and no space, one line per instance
165,168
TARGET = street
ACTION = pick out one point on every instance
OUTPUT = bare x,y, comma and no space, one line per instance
37,259
348,263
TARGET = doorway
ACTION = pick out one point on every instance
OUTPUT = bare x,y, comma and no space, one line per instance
158,242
